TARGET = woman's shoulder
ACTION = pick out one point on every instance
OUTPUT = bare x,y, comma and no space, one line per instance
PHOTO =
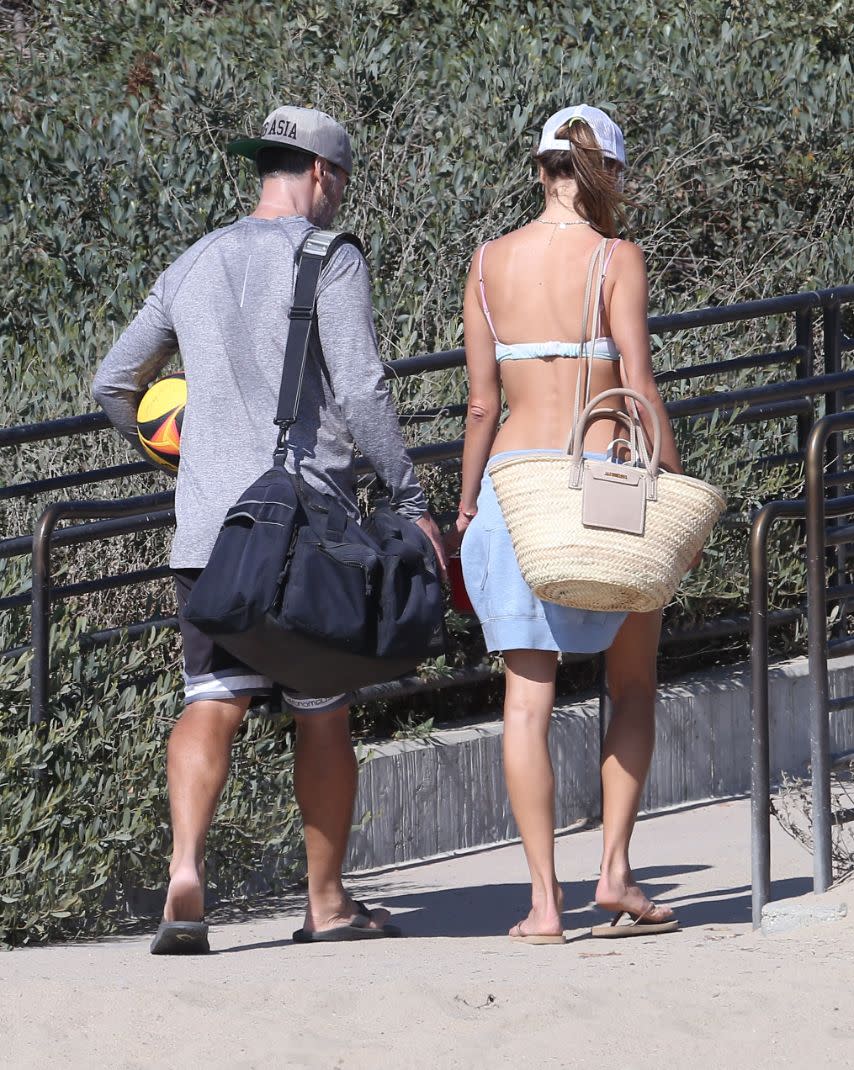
625,264
626,255
498,246
504,241
512,237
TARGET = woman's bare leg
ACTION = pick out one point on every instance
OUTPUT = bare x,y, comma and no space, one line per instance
630,665
528,705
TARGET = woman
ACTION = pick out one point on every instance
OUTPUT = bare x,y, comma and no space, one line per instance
523,310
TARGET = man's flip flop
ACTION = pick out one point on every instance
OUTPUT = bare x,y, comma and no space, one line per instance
358,928
536,938
180,938
636,927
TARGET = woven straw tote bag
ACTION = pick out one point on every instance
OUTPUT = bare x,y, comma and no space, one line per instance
603,536
599,535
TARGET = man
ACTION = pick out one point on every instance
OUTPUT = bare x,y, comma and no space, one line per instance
224,304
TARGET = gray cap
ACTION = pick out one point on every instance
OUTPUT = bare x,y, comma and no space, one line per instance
299,128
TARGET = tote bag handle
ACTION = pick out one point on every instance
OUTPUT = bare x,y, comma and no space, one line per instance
576,457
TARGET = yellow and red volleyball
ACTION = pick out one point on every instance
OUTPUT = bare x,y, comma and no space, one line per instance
159,419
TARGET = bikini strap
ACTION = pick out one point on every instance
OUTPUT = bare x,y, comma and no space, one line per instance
483,300
610,254
602,289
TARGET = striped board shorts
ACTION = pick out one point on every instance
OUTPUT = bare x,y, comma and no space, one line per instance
212,673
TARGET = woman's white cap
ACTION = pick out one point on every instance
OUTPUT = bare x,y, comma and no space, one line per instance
608,135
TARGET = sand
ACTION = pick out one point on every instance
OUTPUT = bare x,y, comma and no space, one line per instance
456,992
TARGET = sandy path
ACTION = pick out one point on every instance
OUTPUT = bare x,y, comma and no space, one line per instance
458,994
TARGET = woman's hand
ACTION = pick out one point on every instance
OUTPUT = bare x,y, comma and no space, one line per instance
453,537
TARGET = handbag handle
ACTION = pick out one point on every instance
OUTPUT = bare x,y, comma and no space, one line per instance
635,442
620,391
595,270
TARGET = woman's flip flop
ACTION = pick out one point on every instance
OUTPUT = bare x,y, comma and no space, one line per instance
535,938
636,927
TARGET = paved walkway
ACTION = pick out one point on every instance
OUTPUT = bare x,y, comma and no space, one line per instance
458,993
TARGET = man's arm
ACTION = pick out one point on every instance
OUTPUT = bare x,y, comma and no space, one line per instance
348,339
136,358
349,342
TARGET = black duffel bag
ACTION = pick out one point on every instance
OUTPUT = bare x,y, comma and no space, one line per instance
295,587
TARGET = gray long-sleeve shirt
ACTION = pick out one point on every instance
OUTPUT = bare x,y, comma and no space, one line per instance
224,304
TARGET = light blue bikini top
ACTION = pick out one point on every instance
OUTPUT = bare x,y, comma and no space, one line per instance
602,347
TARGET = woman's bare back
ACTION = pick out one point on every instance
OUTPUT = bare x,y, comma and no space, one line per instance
534,280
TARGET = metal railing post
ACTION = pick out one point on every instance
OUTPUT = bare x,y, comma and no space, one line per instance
834,403
805,342
760,770
817,644
760,755
831,318
40,615
143,505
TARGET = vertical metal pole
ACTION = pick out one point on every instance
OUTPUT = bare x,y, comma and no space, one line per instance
760,773
805,342
832,348
40,616
817,649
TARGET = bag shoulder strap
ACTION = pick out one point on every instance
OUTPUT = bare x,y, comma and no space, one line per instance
593,285
314,254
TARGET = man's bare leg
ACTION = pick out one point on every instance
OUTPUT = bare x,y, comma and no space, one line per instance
325,774
198,759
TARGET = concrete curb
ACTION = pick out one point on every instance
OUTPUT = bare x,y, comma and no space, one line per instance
417,800
786,915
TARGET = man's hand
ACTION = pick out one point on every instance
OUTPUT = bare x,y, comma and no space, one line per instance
428,526
453,537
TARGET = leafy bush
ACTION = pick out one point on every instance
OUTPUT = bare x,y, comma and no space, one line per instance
115,120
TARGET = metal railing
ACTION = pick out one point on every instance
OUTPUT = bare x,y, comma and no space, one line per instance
758,399
815,508
790,399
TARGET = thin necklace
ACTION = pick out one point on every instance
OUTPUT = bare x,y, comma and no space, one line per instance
564,225
561,226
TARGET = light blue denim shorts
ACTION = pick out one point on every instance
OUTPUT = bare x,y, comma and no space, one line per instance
511,615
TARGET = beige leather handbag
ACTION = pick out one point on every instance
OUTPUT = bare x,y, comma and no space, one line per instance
600,535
